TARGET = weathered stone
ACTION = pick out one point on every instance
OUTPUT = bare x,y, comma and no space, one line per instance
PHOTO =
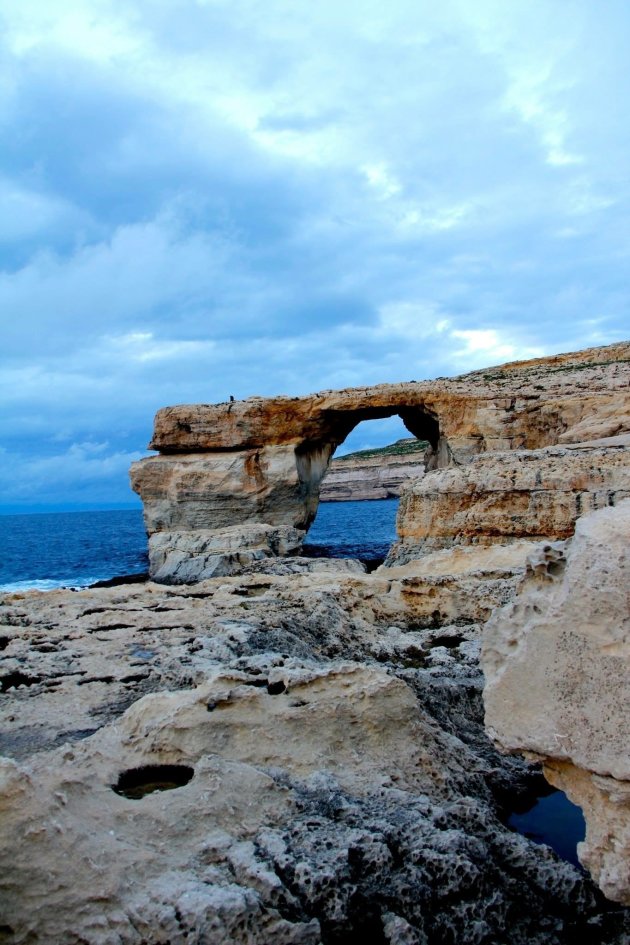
335,783
184,557
557,666
503,497
527,404
358,478
325,800
217,490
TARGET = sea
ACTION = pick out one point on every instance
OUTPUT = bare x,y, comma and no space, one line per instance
76,549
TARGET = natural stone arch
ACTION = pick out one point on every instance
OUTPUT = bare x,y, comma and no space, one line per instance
240,480
313,456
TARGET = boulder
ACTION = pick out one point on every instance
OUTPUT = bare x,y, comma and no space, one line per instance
557,666
185,557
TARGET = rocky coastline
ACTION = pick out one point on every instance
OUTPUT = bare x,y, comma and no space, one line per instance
255,746
374,474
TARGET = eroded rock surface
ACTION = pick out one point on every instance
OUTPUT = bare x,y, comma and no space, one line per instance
557,666
337,785
363,476
508,496
320,729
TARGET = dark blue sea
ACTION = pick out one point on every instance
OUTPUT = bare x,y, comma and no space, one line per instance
75,549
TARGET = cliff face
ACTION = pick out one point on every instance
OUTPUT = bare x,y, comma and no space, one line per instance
374,474
556,661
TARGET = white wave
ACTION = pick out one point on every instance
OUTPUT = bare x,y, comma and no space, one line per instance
47,585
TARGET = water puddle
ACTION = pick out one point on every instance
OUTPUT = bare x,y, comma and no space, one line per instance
553,820
136,783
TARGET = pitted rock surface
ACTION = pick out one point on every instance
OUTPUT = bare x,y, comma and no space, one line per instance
342,790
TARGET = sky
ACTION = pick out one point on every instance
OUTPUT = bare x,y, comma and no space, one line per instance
201,198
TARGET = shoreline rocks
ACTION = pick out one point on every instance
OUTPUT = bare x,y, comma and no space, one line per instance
336,781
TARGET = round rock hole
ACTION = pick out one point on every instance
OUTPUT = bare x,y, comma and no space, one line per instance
136,783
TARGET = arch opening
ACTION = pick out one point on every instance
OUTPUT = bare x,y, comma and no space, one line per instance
313,456
354,498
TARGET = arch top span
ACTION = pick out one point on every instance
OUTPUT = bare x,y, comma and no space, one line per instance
324,417
242,478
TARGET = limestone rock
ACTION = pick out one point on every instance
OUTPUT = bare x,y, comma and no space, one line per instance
218,490
184,557
557,666
527,404
334,780
503,497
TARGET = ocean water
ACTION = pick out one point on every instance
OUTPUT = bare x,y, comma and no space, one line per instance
70,549
362,530
553,820
75,549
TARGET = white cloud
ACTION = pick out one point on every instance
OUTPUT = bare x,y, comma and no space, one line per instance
142,346
26,213
487,346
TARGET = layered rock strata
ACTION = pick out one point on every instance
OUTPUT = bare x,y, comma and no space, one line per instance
262,460
508,496
361,477
320,729
557,667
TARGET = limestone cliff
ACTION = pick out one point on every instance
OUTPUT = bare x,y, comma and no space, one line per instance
556,661
507,496
262,461
374,474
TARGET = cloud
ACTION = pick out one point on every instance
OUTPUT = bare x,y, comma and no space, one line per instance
489,346
84,472
205,198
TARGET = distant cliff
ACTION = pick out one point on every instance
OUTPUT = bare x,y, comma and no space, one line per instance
374,474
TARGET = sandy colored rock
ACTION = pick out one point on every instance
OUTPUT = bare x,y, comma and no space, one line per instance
363,477
339,784
322,727
218,490
528,403
184,557
557,667
502,497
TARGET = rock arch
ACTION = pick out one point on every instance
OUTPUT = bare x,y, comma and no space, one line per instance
313,456
241,479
